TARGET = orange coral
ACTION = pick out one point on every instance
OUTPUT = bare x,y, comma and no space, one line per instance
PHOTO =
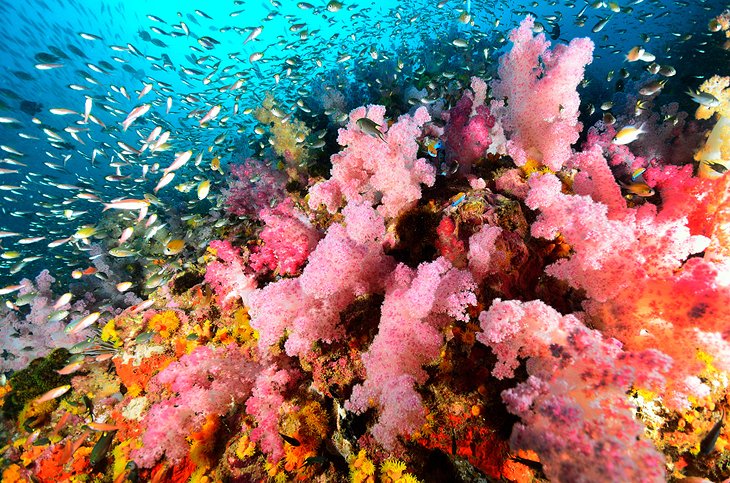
237,330
362,469
203,440
295,457
60,464
463,432
128,429
165,323
3,391
138,376
180,473
306,426
12,474
183,346
518,472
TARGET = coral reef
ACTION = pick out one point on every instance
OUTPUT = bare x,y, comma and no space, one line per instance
468,126
532,315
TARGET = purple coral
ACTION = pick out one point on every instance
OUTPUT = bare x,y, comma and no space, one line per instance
253,186
34,335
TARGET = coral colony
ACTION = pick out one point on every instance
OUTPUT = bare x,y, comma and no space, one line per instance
519,308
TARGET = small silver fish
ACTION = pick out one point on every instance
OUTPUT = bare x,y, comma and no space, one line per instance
601,23
704,98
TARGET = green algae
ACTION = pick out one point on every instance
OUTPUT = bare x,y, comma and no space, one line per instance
39,377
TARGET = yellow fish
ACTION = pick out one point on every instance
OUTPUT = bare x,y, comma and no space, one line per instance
124,286
203,189
10,255
174,247
639,189
628,135
85,232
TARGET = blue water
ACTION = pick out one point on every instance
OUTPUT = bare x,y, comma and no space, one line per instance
294,67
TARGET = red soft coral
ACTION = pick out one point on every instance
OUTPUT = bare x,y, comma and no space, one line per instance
448,243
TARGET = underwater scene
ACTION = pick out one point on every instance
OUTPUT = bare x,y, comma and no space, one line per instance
365,241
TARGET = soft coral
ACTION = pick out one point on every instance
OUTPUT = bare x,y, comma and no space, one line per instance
540,87
387,172
574,409
417,305
347,263
288,239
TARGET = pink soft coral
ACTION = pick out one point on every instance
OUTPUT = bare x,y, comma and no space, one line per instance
467,131
265,405
636,266
288,239
574,408
385,173
417,305
482,251
208,381
596,180
540,87
612,248
229,276
600,265
347,263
